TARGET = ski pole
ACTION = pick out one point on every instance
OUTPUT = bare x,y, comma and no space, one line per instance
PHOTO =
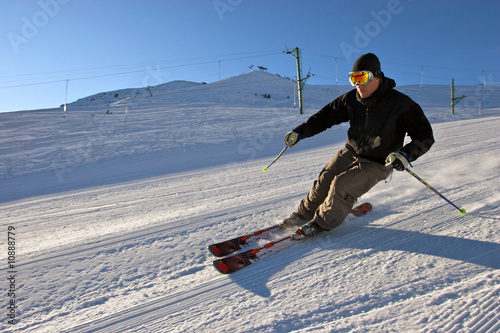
460,210
279,155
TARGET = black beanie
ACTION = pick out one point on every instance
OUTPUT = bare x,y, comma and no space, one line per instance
368,62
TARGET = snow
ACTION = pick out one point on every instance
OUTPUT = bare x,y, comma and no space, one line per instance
114,206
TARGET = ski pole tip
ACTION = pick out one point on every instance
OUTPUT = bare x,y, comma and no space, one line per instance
462,211
265,169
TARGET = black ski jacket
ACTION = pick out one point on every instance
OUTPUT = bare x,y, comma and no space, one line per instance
378,124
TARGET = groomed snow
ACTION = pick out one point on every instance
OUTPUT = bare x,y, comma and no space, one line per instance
113,212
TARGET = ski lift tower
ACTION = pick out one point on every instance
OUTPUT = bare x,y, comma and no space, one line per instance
300,81
454,100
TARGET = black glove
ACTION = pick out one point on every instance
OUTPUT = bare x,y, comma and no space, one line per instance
291,138
398,160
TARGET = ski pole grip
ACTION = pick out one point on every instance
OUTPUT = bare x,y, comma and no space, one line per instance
388,162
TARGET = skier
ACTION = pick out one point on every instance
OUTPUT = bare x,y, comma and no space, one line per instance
379,117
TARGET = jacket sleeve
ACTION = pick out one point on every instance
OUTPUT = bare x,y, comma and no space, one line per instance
331,114
419,129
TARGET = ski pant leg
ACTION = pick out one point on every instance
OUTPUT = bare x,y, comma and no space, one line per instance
345,189
321,187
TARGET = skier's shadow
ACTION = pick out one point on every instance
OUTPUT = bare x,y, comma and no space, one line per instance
483,253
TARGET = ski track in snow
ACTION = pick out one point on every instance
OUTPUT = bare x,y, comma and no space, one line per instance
129,254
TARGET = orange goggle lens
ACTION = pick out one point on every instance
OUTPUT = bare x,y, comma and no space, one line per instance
360,78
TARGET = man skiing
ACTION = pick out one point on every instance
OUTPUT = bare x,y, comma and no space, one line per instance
379,117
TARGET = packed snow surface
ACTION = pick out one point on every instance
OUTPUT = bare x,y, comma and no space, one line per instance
113,207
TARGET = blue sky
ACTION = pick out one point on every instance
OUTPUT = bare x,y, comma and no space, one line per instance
105,45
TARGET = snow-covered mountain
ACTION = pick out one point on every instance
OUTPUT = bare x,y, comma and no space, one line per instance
113,207
182,115
112,97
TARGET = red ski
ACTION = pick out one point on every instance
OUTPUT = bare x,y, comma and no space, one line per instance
237,261
225,248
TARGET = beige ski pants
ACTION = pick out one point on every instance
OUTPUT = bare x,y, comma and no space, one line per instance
342,181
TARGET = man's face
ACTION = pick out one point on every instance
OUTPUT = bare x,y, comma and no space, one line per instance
367,90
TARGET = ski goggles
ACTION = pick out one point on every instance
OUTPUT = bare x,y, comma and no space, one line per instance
360,78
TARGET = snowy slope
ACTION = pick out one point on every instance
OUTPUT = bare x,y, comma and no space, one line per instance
113,218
